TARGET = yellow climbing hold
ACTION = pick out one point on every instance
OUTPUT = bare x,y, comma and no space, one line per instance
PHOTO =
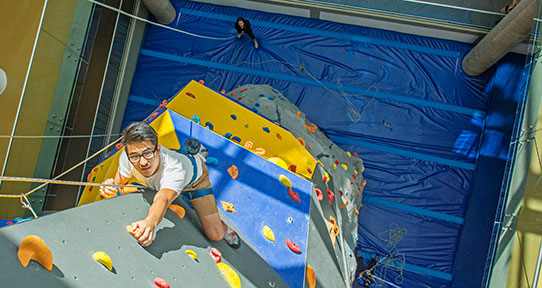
327,177
230,275
102,257
348,153
320,162
334,166
268,233
345,167
279,162
362,168
192,254
356,172
285,181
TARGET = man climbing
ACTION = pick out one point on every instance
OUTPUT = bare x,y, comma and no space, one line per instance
170,174
243,27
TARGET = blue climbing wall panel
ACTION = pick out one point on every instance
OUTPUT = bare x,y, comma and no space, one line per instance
431,137
259,199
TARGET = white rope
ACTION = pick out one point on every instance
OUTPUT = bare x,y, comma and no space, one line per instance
157,24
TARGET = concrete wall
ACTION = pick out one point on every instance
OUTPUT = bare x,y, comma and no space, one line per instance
19,21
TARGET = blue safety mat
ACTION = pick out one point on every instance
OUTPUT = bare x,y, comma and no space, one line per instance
401,101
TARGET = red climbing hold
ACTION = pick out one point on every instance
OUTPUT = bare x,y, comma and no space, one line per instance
201,82
161,106
341,192
324,178
216,255
309,170
232,93
355,154
351,184
153,115
337,162
330,196
119,145
354,176
190,95
293,246
292,168
293,195
239,99
160,283
223,91
88,177
319,194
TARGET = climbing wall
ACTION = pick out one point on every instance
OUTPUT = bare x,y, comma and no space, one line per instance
75,235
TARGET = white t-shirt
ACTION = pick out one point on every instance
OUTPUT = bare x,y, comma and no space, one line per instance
175,171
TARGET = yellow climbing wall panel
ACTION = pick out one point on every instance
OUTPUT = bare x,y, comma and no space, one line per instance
108,168
227,116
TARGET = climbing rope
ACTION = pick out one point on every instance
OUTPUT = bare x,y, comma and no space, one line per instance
394,259
56,136
157,24
46,181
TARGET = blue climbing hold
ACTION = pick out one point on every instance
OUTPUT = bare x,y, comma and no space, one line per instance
195,119
209,125
228,135
256,110
211,161
266,129
282,99
257,104
262,95
271,98
236,139
233,116
274,90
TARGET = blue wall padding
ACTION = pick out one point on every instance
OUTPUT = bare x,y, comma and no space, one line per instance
259,199
424,123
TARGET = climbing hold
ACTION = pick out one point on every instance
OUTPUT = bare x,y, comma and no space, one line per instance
348,153
34,248
268,233
201,82
223,91
290,220
119,145
195,119
334,166
132,230
306,127
356,210
362,168
337,162
355,154
293,246
257,104
319,194
227,135
364,183
345,166
310,147
209,125
292,168
211,161
279,162
345,202
160,283
190,95
248,145
278,136
259,151
294,195
233,116
351,184
236,139
309,170
311,277
271,98
104,259
192,254
88,176
233,171
239,99
359,190
256,110
276,123
177,210
285,181
325,178
342,206
354,176
229,275
335,229
302,141
261,95
341,192
356,172
232,93
215,255
330,196
266,129
228,207
298,113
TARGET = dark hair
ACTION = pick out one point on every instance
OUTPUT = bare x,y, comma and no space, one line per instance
139,132
240,19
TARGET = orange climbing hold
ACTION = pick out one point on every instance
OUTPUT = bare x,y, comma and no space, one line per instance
248,145
345,202
233,171
178,210
310,147
259,151
279,137
298,113
342,207
356,210
34,248
311,277
228,207
302,141
132,230
364,183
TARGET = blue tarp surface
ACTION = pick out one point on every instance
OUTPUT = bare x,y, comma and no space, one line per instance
402,102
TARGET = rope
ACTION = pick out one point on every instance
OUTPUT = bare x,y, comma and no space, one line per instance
157,24
394,259
65,172
55,136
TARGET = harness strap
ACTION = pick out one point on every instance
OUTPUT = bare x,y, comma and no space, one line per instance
197,194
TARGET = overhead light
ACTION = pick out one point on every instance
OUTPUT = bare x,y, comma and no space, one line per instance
3,81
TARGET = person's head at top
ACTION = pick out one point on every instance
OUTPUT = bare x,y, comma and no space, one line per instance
141,146
240,22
